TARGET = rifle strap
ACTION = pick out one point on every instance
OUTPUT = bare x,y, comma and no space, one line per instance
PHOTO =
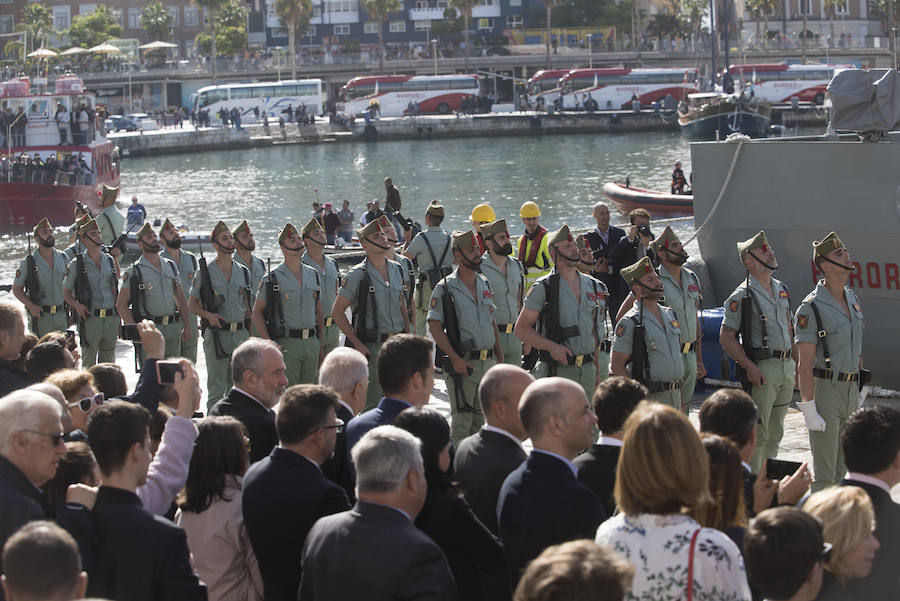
822,334
462,406
111,228
435,264
114,281
640,328
762,320
138,300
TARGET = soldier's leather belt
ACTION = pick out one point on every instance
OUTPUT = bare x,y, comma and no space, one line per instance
103,312
328,321
579,360
301,334
662,385
481,355
688,347
761,354
842,376
165,320
506,328
234,326
52,309
605,346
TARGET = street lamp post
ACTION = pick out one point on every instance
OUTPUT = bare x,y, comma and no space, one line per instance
434,44
590,39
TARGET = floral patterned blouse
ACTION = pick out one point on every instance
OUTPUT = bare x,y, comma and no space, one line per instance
659,547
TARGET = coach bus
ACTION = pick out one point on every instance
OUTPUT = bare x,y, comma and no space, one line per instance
616,88
780,82
271,98
394,93
545,84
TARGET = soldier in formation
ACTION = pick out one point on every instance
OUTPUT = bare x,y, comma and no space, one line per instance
430,252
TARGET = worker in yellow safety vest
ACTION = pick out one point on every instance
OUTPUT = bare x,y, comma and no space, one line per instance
533,252
481,215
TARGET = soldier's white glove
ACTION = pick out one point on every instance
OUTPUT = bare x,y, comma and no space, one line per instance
814,421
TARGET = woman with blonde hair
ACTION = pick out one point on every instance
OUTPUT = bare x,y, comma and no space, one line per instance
663,475
725,511
848,521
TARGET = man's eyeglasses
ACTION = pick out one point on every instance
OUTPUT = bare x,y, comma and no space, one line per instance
338,427
57,439
85,403
826,552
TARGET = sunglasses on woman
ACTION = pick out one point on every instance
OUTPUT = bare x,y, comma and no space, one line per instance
85,403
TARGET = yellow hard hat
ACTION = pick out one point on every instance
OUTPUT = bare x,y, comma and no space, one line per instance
529,210
483,213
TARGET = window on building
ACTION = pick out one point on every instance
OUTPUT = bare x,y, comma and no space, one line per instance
6,23
84,9
134,18
485,23
422,25
343,6
61,17
117,14
842,8
191,18
317,12
10,2
805,7
515,2
514,21
341,29
443,4
370,27
173,12
190,51
421,3
486,2
398,26
310,31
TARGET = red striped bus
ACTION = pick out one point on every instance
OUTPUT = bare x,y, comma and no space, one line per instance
615,88
434,93
779,82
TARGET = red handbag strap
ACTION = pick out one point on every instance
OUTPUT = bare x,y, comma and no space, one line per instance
690,583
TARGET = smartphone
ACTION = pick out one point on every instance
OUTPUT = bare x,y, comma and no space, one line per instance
166,370
776,469
130,332
70,340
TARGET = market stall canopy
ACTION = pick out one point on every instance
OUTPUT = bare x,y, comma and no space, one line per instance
43,53
157,45
105,47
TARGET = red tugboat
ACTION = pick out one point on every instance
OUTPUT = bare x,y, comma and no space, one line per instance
54,152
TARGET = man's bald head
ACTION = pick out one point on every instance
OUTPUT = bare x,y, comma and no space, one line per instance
499,392
542,399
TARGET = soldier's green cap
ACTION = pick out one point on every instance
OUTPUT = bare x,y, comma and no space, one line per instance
560,235
387,227
826,245
220,227
243,227
41,224
145,231
88,226
465,240
665,239
311,226
581,243
82,220
167,225
489,230
757,241
290,229
435,209
108,195
633,273
370,229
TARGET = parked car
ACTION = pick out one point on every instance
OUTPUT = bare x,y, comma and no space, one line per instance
119,123
143,121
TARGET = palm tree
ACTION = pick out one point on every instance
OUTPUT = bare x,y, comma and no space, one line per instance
379,10
156,21
37,22
465,8
549,5
295,16
211,6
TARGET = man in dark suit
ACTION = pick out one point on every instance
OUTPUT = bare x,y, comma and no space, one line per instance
614,400
138,556
375,552
541,502
731,413
346,371
602,240
406,375
285,493
259,379
485,459
630,248
871,445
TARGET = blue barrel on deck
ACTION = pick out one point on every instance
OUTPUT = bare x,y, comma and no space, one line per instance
713,357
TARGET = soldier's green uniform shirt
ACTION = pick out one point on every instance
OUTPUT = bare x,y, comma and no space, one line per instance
158,298
257,270
835,400
187,265
99,334
508,289
685,300
111,223
235,309
409,274
586,313
476,333
662,340
75,248
774,397
389,296
298,309
329,278
50,281
440,242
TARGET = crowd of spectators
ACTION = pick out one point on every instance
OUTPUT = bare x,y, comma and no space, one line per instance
292,493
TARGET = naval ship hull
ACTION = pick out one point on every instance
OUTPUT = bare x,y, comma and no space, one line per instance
799,190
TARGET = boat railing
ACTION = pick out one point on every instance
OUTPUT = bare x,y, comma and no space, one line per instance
23,169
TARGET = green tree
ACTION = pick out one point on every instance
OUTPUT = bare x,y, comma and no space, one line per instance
465,9
380,10
449,24
211,6
233,13
548,4
226,35
693,11
94,28
156,21
37,23
295,16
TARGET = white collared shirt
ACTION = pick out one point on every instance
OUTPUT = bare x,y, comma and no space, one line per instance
868,480
245,393
497,430
609,441
347,407
568,463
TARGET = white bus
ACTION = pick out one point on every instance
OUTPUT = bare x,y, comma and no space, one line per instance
434,93
615,88
271,98
779,82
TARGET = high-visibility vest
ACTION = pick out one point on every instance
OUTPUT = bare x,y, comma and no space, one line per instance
535,256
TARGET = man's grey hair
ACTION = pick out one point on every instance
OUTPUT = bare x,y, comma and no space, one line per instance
599,204
342,369
249,356
10,312
24,410
383,458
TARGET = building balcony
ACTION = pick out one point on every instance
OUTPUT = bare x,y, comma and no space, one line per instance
332,18
426,14
489,10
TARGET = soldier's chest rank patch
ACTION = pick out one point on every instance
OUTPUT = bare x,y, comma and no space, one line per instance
802,321
856,306
487,294
783,294
18,273
733,306
287,296
674,323
620,330
693,288
433,302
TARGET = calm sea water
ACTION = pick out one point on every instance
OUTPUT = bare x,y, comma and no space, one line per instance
563,174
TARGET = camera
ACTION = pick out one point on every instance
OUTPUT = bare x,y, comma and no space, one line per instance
644,230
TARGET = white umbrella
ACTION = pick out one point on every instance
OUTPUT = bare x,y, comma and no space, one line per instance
157,45
73,50
106,48
42,53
